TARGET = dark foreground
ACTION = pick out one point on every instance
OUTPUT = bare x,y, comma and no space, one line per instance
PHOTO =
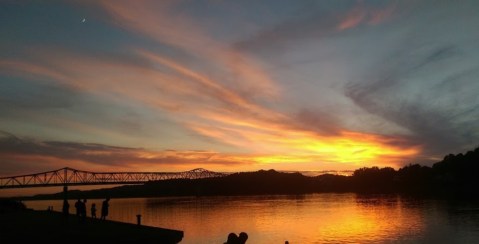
52,227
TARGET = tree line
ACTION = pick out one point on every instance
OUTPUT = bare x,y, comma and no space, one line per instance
456,175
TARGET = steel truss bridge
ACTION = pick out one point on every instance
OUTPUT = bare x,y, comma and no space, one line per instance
71,177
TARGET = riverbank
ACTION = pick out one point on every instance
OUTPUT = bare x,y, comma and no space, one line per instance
53,227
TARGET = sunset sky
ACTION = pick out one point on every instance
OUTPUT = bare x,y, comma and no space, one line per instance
236,85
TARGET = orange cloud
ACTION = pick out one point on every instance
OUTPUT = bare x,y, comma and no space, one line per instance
158,20
364,15
21,155
352,19
354,148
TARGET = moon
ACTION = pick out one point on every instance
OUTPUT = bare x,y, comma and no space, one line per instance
83,20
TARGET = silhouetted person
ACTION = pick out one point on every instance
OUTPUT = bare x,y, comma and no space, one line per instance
242,237
232,239
93,211
104,208
65,211
78,207
83,210
286,242
66,208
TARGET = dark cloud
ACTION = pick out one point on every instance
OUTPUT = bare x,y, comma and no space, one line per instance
440,113
318,120
99,154
88,152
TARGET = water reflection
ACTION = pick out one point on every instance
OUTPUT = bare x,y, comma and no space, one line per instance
318,218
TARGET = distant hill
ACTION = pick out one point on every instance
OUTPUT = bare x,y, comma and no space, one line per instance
247,183
456,175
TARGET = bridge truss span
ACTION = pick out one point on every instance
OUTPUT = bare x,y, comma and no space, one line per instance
68,177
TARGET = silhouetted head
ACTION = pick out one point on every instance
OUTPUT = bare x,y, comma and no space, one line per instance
107,199
243,237
84,200
93,205
232,239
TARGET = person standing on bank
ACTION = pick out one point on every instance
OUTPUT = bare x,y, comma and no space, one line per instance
104,208
93,210
78,207
83,210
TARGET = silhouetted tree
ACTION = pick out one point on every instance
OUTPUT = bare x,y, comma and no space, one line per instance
374,179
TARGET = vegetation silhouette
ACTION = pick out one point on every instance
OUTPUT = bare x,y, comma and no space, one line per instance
456,175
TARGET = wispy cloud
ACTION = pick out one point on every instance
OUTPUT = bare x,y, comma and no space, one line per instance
159,21
213,90
362,14
315,24
221,113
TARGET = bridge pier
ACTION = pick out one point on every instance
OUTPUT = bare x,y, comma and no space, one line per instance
65,192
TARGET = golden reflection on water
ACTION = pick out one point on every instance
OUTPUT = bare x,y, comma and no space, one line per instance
319,218
339,218
372,222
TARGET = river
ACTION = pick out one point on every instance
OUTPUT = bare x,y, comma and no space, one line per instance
315,218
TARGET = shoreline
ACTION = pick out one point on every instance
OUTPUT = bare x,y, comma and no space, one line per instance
54,227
